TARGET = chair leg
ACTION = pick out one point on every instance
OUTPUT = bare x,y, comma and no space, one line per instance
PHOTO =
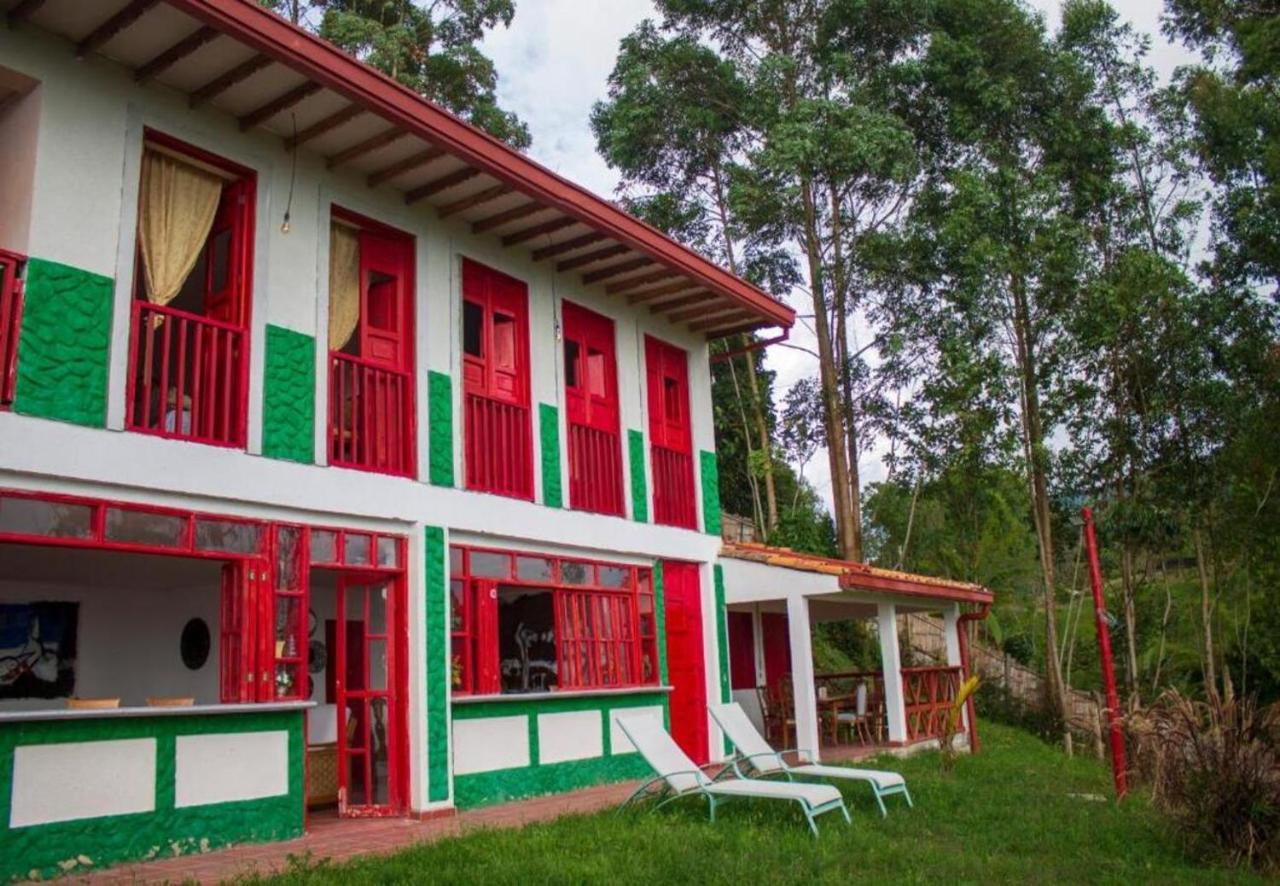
906,793
884,813
813,825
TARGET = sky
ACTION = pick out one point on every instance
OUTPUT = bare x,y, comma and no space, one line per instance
553,64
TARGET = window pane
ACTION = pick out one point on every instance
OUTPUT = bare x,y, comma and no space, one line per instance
572,573
457,667
615,577
570,363
533,569
504,341
288,562
455,560
473,329
643,579
30,516
486,564
388,552
526,639
457,611
288,626
356,550
324,546
228,535
145,528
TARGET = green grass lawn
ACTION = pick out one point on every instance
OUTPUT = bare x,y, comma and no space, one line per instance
1012,813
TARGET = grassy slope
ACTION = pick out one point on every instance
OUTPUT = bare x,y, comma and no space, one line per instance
1006,814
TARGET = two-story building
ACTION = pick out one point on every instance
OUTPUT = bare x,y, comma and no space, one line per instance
346,454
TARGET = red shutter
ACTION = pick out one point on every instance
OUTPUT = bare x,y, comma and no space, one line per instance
488,679
226,256
383,299
670,434
591,406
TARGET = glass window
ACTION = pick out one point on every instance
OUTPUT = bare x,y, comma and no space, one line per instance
487,564
388,551
526,639
324,546
356,549
455,560
288,562
575,573
534,569
457,609
230,536
615,577
570,363
145,528
30,516
473,329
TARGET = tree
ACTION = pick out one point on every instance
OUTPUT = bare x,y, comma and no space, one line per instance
432,49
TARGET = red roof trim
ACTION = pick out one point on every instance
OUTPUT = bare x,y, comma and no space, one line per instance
326,64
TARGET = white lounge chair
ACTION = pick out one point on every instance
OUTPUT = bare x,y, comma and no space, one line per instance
679,777
756,758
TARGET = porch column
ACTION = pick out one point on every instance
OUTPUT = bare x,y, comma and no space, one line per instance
757,644
951,634
802,674
891,665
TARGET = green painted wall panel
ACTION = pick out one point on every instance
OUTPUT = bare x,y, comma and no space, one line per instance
65,343
549,433
289,396
440,428
46,850
437,590
639,489
660,608
484,788
722,641
710,493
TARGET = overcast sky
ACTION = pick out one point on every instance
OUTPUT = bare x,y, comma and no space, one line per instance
553,63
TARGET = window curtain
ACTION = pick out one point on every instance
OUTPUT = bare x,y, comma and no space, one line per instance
344,284
175,214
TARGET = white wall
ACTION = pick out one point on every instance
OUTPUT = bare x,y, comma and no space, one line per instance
19,128
128,641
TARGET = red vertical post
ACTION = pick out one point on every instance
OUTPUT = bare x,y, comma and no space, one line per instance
1104,650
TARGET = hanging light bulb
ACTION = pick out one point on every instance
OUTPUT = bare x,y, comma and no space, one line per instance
284,225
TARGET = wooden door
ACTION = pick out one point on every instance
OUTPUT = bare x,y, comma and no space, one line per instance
226,252
686,651
384,317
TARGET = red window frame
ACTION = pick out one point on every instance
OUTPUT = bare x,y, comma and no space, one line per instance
372,419
11,279
592,411
606,632
670,434
208,402
498,425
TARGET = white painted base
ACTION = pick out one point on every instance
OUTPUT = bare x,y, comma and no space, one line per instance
618,741
82,779
222,768
490,743
573,735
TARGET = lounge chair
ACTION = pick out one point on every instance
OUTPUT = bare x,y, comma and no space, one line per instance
755,758
678,777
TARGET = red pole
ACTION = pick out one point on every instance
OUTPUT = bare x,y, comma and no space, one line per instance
1104,649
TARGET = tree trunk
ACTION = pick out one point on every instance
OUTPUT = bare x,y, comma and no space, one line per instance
840,303
1130,625
1206,619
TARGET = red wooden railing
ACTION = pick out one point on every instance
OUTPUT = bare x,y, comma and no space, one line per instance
187,376
928,694
370,416
10,321
499,447
595,470
673,503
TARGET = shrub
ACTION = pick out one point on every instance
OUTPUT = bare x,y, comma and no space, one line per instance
1214,767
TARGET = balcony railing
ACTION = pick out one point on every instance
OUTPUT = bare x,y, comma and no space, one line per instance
187,376
673,502
928,694
499,450
10,321
370,416
595,470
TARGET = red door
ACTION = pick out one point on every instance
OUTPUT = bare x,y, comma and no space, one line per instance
384,263
591,406
685,651
226,256
371,734
776,638
670,434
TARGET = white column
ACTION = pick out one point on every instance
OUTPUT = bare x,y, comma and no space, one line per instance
757,644
951,634
891,664
802,675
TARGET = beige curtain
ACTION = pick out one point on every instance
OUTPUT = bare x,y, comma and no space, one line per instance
175,214
344,284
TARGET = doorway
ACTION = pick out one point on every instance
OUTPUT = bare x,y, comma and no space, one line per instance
685,652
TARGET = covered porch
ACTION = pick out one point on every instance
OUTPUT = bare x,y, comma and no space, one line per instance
776,597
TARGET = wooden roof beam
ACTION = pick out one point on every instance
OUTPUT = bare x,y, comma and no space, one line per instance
738,330
175,53
114,25
400,167
328,124
547,227
278,104
615,270
637,282
695,298
704,310
590,258
23,11
223,82
368,146
567,246
488,195
443,183
684,286
533,207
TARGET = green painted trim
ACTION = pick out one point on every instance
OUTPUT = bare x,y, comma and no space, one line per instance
46,850
660,613
64,345
484,788
549,436
440,428
289,396
639,489
437,614
722,641
710,493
